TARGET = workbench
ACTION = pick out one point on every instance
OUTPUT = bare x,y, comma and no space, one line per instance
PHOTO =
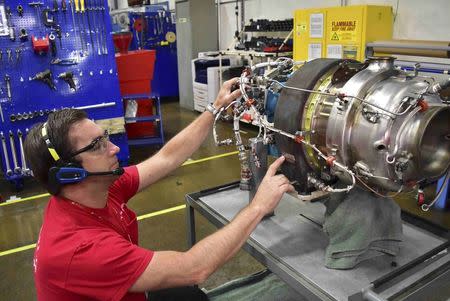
292,245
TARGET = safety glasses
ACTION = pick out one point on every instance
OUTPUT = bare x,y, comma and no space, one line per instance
98,144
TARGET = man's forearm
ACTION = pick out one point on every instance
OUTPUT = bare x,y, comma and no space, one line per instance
175,152
185,143
213,251
171,269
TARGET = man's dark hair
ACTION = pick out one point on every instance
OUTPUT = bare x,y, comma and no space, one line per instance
36,151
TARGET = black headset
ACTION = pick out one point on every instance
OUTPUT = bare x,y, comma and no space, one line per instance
67,172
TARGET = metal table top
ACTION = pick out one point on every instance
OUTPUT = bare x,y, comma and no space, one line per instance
292,244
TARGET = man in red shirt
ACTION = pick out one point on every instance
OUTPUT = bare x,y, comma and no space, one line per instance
88,244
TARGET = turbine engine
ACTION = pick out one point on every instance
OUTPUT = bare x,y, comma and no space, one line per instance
389,128
342,122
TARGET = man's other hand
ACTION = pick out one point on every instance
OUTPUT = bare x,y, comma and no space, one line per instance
226,94
272,188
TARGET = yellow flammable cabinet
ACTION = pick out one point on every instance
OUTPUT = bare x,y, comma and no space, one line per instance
340,32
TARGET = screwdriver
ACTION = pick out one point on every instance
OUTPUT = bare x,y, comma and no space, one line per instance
77,10
84,12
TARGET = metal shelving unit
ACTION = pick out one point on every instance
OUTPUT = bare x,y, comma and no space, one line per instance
155,118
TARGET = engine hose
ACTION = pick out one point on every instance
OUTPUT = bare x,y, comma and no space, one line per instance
243,157
426,207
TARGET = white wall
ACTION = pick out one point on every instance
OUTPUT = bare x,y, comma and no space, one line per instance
415,19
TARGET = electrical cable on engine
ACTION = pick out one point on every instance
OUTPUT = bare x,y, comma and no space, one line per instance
277,62
337,164
377,177
379,194
261,122
399,132
217,117
339,96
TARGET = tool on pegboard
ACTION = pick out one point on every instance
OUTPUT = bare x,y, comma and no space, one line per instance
75,8
63,62
17,168
1,113
101,9
4,30
52,41
18,51
83,27
25,169
45,77
9,55
8,88
85,11
23,35
68,78
36,57
37,10
19,9
59,35
40,46
48,17
55,10
5,154
74,23
12,33
64,10
93,13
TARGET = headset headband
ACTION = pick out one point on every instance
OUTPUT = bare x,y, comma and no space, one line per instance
49,144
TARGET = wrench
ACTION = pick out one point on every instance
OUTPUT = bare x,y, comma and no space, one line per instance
17,169
1,113
8,85
25,169
161,22
5,152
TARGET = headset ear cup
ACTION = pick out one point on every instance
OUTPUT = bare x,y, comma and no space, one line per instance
53,184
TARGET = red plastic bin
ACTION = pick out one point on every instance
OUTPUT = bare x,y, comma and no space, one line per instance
135,70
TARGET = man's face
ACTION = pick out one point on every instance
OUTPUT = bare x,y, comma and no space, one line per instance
100,153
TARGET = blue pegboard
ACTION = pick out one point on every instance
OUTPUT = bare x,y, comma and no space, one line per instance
86,46
157,21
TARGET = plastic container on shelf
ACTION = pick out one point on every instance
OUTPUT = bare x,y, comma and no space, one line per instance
135,71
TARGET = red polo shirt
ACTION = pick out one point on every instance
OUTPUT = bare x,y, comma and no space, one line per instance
91,254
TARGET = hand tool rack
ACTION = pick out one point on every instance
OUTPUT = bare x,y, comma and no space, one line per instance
55,54
155,29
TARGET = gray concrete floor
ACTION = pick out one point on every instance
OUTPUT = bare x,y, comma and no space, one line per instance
20,222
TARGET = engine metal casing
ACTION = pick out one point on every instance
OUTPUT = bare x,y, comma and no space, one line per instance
387,126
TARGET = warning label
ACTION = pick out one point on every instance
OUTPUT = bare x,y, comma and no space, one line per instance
343,25
335,37
343,31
